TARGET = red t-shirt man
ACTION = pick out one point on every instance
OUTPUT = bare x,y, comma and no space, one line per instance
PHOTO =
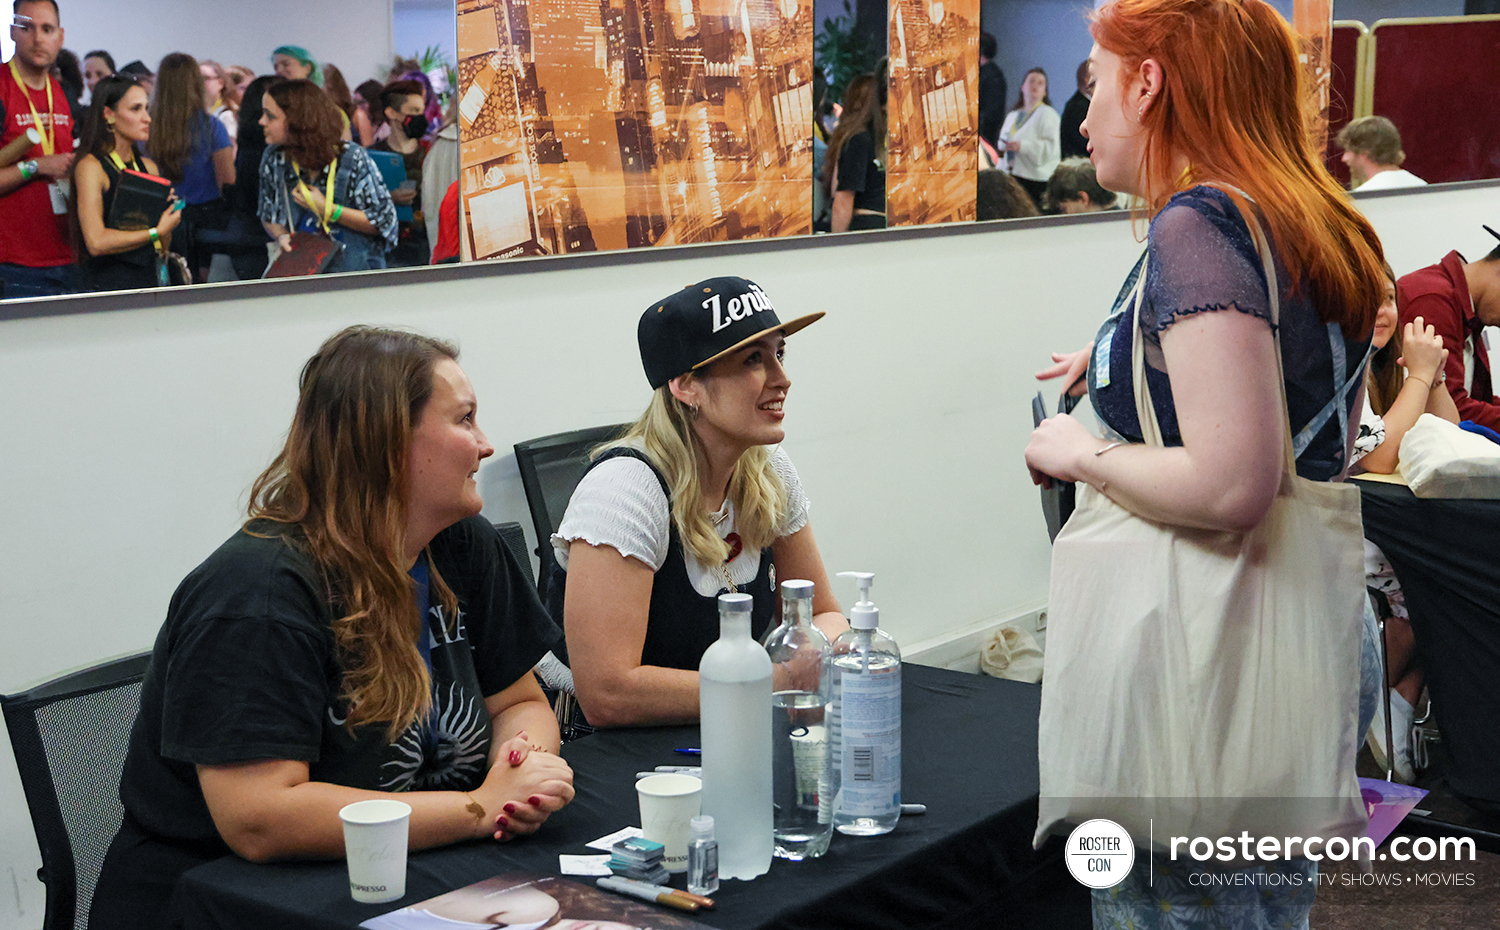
33,208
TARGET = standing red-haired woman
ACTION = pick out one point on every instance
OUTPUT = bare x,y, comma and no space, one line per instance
1198,110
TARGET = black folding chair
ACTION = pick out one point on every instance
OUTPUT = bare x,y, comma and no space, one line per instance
570,723
69,737
550,467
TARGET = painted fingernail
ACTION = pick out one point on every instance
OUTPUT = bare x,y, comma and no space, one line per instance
502,821
515,757
510,808
534,801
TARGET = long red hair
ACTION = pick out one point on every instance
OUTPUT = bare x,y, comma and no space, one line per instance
1235,103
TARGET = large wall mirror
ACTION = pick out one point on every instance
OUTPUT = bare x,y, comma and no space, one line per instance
363,38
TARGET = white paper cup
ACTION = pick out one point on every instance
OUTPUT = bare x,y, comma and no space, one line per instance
668,805
375,834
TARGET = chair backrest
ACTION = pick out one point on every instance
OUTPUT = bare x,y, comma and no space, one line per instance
515,540
69,737
550,468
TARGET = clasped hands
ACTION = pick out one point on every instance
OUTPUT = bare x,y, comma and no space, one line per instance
525,786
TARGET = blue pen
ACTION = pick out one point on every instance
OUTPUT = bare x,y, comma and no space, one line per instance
689,751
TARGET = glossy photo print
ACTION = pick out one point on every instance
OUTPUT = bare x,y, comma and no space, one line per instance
589,125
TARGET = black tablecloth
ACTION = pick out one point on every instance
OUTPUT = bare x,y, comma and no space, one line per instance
969,753
1446,554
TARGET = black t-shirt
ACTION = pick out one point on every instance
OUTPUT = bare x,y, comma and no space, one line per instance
861,173
245,669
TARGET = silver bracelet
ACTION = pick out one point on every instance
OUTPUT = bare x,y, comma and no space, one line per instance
1113,445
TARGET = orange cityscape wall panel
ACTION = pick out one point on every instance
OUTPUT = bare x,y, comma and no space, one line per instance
932,148
609,124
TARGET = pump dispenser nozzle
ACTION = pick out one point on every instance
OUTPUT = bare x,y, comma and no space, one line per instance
864,615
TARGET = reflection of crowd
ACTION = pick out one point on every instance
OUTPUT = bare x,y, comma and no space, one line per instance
235,183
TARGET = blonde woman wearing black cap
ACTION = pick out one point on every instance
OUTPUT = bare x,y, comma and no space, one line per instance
694,500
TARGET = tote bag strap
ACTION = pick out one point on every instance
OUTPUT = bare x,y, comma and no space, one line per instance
1146,412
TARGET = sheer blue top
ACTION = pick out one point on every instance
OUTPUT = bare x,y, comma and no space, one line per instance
1202,260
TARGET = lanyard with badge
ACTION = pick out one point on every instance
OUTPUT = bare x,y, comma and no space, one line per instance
328,204
48,134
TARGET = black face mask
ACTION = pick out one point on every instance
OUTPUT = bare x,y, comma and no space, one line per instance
415,127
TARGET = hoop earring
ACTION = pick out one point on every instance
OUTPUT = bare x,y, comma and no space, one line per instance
110,123
693,411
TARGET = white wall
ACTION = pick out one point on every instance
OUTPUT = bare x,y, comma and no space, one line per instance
420,24
354,34
130,435
1050,34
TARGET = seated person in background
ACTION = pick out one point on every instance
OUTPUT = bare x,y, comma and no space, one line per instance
365,632
1458,299
1074,188
999,197
403,104
1404,381
693,502
1372,150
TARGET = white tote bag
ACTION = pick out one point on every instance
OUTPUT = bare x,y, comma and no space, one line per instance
1201,683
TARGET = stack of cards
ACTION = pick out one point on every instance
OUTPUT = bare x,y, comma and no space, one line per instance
640,859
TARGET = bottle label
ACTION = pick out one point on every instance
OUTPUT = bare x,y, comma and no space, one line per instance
869,725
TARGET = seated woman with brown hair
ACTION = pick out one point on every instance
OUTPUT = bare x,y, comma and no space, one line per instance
365,634
1404,381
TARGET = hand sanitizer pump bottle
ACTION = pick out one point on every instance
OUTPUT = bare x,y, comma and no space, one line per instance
734,702
866,704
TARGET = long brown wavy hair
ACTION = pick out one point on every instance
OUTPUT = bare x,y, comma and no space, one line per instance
314,131
1235,102
177,114
863,112
339,485
1384,378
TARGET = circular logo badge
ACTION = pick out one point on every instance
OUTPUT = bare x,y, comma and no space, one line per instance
1099,853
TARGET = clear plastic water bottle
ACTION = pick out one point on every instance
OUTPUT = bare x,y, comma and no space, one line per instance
800,735
734,698
865,707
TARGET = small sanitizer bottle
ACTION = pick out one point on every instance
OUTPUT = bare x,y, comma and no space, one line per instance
703,857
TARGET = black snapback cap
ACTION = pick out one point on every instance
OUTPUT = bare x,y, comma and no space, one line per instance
703,322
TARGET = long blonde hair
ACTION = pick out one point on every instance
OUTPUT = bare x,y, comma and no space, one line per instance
759,497
339,484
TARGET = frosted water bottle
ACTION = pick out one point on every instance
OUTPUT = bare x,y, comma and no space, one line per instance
734,699
865,705
800,653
